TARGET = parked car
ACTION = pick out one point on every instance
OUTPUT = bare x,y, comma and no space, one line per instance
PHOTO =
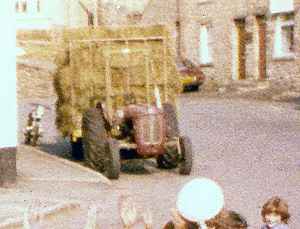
191,76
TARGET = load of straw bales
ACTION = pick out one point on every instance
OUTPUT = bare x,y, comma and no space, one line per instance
80,78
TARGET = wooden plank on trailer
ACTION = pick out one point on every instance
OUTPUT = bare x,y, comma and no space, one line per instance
165,75
147,78
108,88
158,38
111,52
127,70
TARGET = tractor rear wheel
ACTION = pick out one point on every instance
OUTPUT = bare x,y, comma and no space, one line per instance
94,139
113,165
186,163
171,120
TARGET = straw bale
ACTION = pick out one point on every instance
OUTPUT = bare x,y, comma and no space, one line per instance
34,35
80,79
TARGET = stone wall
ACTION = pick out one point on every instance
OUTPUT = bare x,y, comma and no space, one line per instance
34,82
8,168
220,18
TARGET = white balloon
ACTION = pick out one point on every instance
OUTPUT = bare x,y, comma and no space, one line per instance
200,199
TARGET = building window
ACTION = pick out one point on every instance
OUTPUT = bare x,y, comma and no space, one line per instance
205,46
284,43
17,7
24,6
38,6
281,6
21,6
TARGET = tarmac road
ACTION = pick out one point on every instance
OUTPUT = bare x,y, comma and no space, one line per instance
250,148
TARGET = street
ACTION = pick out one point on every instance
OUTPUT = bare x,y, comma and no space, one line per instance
250,148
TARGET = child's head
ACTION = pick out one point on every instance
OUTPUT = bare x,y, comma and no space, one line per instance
275,211
227,220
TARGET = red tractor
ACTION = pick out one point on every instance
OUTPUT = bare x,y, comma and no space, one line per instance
110,133
140,131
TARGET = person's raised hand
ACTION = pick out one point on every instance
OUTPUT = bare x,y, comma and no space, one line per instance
128,211
147,218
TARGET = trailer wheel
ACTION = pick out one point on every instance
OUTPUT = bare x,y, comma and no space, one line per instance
35,135
171,120
113,165
186,162
77,149
94,139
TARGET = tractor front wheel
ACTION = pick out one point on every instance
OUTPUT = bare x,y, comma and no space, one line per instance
171,120
186,151
113,165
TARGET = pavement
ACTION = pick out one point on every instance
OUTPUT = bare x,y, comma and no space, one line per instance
34,168
251,148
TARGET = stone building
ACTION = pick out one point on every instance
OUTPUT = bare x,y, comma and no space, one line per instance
230,40
236,39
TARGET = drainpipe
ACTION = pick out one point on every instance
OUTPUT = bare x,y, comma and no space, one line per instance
178,31
89,14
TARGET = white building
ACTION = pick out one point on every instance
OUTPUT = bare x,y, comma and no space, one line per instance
45,14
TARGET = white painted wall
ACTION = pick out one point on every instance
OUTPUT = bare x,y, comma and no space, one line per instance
52,13
8,103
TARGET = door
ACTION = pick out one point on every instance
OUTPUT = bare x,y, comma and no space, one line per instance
240,25
261,30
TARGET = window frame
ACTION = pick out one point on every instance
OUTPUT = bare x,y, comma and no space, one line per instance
38,6
280,9
283,21
207,58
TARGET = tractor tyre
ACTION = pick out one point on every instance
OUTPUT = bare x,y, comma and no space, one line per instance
168,160
191,88
94,139
113,164
77,149
171,120
186,163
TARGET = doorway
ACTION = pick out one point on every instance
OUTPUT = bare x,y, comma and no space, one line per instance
240,49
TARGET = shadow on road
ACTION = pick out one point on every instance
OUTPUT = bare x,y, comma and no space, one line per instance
138,166
297,102
59,148
62,148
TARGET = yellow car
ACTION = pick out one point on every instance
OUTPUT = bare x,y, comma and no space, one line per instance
191,78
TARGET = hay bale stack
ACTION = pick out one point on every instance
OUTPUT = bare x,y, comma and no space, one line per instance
80,79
